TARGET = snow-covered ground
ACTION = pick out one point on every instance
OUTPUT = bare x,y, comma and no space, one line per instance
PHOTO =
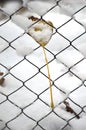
25,94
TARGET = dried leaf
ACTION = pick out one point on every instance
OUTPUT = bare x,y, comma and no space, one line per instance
33,18
41,31
1,73
69,109
2,81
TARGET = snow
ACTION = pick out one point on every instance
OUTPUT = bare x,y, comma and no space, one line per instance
41,86
23,100
2,124
22,21
27,123
25,96
80,70
21,18
79,124
3,17
37,57
82,97
39,110
2,98
82,48
10,6
70,56
3,44
57,43
76,30
44,6
11,34
60,70
11,56
70,7
81,17
52,119
24,50
54,15
24,45
68,82
9,85
81,45
28,70
67,7
8,111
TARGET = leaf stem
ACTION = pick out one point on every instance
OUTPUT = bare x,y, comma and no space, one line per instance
50,84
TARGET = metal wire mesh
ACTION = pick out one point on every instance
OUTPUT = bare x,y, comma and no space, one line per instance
20,84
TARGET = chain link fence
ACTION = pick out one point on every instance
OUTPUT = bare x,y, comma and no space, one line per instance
24,96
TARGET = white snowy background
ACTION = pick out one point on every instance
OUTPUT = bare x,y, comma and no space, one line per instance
24,96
